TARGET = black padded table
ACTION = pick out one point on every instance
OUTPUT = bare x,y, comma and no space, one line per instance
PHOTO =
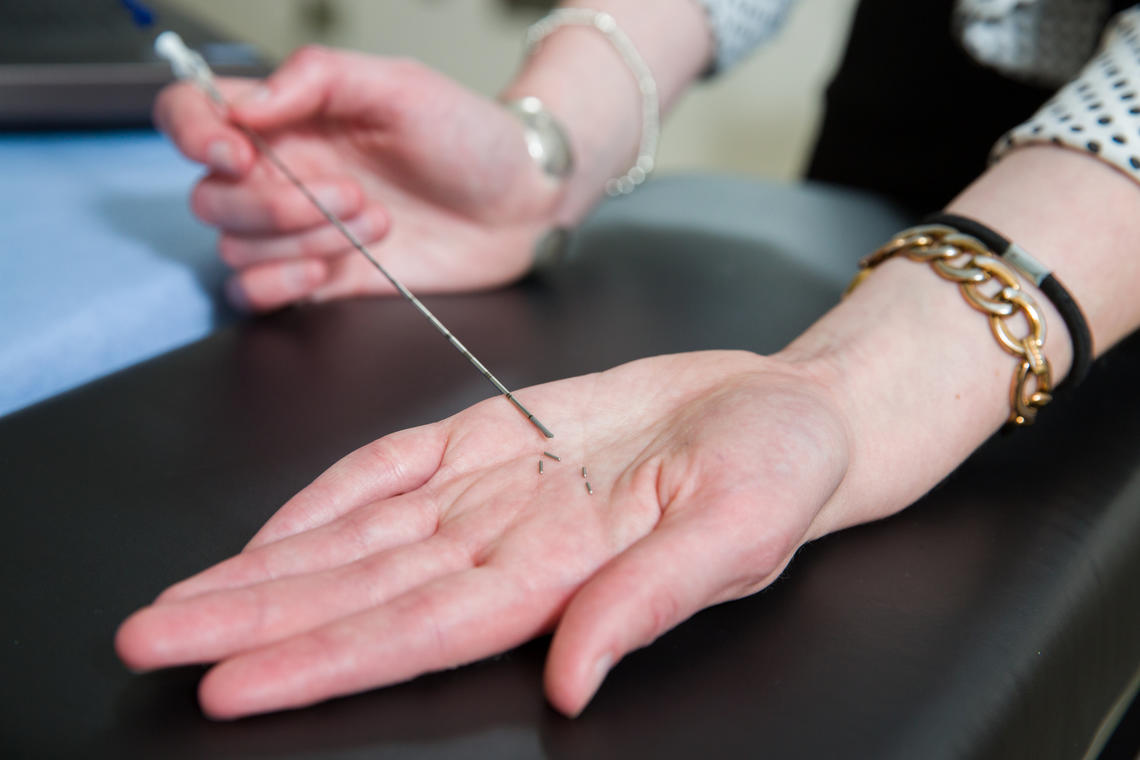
996,618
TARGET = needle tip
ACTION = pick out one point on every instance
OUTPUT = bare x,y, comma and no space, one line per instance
542,428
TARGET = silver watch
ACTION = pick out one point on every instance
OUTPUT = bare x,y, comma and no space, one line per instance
546,140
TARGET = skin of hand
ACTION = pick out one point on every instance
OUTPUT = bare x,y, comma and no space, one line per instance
442,545
434,178
401,154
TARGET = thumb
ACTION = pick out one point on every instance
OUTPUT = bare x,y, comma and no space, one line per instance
680,568
316,82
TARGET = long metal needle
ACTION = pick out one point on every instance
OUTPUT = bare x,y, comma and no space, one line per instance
266,151
195,68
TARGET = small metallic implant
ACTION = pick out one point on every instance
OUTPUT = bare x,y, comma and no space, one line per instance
589,490
584,472
555,457
540,467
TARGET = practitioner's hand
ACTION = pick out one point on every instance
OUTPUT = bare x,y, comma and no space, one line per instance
443,544
399,152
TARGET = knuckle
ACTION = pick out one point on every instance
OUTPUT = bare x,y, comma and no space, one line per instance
175,115
164,110
756,579
762,563
280,210
320,641
408,79
253,291
379,224
424,609
405,66
161,108
357,531
232,251
312,245
358,278
380,457
773,553
310,55
663,611
321,243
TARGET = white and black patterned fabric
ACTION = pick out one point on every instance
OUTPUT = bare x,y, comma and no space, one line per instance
740,26
997,60
1044,41
1099,111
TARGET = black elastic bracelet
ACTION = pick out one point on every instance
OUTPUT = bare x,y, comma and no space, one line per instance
1017,257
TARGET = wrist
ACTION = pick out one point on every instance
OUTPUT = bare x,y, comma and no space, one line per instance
601,126
1077,215
596,92
920,379
918,372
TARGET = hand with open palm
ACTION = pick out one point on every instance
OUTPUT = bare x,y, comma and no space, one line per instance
444,544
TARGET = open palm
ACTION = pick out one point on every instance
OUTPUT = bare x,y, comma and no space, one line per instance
444,544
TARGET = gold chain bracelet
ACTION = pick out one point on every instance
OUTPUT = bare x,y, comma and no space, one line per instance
967,261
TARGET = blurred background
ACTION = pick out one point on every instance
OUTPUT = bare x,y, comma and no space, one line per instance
77,81
760,118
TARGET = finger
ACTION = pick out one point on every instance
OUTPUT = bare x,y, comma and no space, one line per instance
351,275
435,269
369,226
395,464
318,82
200,130
210,627
681,567
269,286
259,207
372,529
454,620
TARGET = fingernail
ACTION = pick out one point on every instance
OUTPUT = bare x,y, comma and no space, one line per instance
220,156
301,276
333,198
258,94
320,295
362,227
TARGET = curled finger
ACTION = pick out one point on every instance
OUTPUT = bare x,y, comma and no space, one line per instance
199,128
369,226
272,285
263,206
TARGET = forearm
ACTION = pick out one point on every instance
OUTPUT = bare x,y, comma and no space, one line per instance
921,376
585,83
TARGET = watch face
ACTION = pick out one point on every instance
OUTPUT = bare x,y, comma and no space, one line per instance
546,141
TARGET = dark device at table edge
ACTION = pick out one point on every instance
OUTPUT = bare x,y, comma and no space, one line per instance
82,64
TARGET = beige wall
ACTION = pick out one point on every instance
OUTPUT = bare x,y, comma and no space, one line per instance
760,119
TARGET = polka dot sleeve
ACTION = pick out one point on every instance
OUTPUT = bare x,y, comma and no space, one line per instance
740,26
1099,111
